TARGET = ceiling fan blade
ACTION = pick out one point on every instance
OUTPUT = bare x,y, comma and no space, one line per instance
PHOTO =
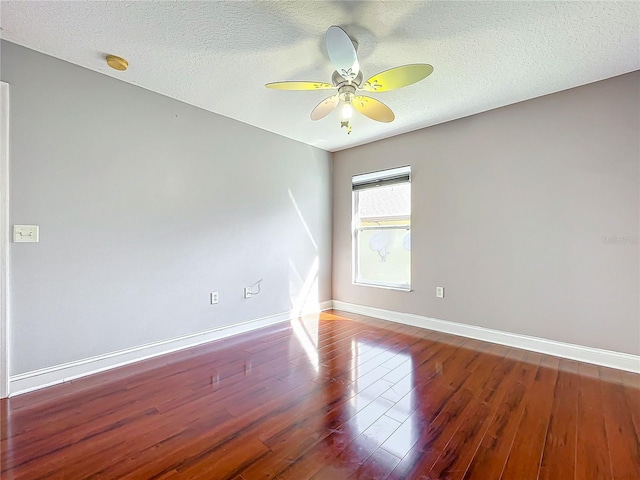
342,53
299,85
397,77
325,107
374,109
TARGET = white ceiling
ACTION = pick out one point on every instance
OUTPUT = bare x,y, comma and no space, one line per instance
219,55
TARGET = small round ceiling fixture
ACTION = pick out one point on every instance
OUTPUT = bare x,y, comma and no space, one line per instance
117,63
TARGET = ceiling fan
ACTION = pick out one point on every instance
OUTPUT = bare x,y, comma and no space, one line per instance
348,79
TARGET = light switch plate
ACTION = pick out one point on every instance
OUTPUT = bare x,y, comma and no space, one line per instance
26,233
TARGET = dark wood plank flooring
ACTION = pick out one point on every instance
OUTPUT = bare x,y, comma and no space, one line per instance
335,396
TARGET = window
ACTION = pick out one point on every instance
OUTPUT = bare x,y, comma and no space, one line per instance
382,228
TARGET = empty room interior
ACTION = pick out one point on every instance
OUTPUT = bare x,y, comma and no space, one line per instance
320,240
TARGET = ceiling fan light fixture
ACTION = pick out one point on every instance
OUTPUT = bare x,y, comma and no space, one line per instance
347,111
347,108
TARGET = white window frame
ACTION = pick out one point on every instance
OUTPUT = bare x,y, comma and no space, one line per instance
373,179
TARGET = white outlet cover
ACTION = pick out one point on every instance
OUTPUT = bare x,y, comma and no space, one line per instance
26,233
214,298
440,292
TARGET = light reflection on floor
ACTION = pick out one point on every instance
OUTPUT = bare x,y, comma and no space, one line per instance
376,413
306,331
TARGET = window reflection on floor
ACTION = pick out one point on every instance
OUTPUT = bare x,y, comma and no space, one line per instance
383,398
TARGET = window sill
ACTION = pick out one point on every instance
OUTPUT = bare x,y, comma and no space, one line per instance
386,287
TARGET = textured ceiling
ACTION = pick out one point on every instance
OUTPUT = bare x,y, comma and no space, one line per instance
219,55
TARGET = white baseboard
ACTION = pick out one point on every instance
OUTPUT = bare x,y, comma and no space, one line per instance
45,377
36,379
607,358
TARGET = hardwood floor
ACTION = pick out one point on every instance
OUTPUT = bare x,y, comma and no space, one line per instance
336,397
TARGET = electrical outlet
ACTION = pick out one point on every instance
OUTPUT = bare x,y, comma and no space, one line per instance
247,292
214,298
439,292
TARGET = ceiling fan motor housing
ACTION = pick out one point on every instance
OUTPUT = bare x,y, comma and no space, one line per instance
346,92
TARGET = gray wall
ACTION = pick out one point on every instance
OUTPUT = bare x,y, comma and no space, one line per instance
145,206
528,215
